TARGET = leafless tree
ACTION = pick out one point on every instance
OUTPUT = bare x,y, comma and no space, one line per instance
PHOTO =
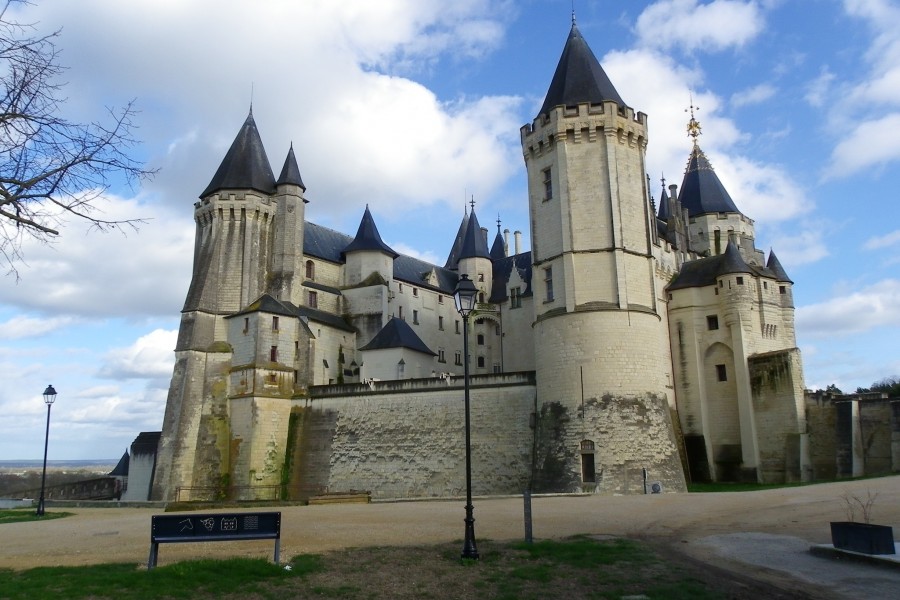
50,167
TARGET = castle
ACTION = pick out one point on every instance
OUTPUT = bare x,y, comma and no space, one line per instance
632,343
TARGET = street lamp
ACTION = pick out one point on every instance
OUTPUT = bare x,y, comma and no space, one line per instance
464,297
49,399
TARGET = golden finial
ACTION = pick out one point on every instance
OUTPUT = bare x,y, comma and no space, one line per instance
693,126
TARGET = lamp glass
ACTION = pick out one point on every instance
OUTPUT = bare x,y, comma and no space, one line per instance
49,395
464,295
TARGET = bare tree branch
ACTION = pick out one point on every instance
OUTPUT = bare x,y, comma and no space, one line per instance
49,166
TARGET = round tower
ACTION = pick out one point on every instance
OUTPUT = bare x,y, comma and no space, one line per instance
601,345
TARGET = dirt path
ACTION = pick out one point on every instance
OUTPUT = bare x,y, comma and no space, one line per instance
704,527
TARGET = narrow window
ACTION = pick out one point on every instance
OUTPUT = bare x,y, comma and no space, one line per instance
441,357
718,241
247,323
721,374
400,287
457,358
481,277
480,362
441,323
313,300
740,280
400,313
548,184
457,326
415,317
440,299
481,339
310,269
416,292
496,330
481,297
765,285
496,368
296,350
274,323
782,289
401,368
548,283
712,322
515,297
273,354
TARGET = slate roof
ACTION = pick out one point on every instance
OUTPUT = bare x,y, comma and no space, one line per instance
121,468
453,259
502,271
327,244
314,314
290,172
663,213
474,245
774,265
146,442
578,77
267,304
368,238
498,248
245,165
701,191
397,334
704,271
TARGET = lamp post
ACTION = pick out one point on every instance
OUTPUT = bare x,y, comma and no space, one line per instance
464,297
49,399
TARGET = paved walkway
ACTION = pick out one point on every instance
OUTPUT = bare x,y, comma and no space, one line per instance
766,534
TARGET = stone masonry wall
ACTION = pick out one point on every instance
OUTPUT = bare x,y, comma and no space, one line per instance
406,439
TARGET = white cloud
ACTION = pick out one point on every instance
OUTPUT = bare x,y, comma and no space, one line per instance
692,25
874,306
150,357
869,144
818,91
755,95
21,327
883,241
799,246
408,250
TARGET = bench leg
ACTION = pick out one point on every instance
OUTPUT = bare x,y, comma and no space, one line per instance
154,552
277,550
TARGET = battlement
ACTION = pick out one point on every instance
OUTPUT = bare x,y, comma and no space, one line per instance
607,116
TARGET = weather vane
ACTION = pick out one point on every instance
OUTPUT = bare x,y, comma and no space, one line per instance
693,126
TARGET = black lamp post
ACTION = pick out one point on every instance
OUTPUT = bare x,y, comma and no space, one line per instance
49,399
464,296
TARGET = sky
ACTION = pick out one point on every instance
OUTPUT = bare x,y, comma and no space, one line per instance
414,106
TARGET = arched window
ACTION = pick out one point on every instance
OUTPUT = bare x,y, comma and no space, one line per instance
310,269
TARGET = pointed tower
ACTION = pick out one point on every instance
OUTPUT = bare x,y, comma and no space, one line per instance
474,257
714,217
235,226
367,254
601,343
285,282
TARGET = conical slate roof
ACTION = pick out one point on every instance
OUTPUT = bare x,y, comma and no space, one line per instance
245,166
290,172
368,238
663,205
453,259
397,334
701,191
474,245
121,469
578,77
704,271
774,265
733,261
498,248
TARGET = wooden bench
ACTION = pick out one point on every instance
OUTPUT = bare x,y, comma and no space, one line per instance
218,527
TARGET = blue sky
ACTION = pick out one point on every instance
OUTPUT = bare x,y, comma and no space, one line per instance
411,106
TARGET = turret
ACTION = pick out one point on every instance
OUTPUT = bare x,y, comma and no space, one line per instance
474,257
287,260
367,255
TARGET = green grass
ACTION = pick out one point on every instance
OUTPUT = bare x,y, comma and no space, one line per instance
580,567
19,515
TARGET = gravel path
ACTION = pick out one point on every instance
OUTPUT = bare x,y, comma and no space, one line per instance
765,534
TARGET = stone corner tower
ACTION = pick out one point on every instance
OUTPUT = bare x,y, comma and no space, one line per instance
604,371
249,240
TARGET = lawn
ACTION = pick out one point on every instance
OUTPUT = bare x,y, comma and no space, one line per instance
581,567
